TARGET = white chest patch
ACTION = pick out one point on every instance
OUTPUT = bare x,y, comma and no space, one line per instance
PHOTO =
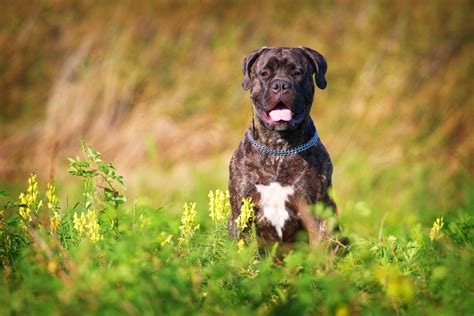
272,202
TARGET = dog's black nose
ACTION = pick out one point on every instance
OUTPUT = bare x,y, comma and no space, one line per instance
281,86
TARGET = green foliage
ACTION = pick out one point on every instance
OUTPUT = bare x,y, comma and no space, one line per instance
156,262
98,176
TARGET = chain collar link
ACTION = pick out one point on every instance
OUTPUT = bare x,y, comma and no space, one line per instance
283,152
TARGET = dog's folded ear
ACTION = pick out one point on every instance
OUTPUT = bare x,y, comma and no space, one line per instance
247,65
320,66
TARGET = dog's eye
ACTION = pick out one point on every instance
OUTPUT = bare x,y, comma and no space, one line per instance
298,73
263,73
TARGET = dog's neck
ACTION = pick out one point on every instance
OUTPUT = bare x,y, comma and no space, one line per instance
282,139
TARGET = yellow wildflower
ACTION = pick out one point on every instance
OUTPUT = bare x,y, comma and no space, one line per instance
93,226
342,310
188,220
53,206
79,223
219,206
435,232
54,221
25,211
88,226
167,239
52,266
247,214
51,196
240,245
29,200
396,286
143,222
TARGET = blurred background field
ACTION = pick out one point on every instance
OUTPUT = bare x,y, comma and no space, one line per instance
156,87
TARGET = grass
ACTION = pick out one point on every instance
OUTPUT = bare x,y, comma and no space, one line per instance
104,256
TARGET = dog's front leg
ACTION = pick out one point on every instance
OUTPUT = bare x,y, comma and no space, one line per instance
235,203
317,232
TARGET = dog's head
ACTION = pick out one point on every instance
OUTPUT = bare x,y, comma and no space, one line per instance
281,84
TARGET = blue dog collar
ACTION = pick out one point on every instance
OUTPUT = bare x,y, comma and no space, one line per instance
283,152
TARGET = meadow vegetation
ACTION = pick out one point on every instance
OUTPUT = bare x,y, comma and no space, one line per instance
99,256
155,87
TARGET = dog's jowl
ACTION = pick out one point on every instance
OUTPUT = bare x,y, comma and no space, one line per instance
281,162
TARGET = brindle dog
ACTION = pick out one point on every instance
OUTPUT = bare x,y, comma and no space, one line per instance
281,186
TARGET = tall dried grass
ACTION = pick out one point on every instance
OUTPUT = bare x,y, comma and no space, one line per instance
155,85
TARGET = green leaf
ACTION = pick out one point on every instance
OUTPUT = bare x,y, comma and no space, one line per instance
121,199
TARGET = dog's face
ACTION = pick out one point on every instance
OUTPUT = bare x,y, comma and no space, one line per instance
281,84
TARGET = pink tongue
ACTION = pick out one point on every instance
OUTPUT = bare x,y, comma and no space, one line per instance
280,115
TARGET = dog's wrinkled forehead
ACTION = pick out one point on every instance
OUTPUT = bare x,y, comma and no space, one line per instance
304,58
282,57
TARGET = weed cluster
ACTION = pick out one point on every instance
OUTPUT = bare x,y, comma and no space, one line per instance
101,256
